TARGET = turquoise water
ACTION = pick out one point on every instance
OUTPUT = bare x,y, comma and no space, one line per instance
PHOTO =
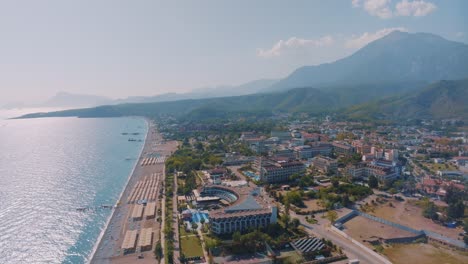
51,167
252,175
198,216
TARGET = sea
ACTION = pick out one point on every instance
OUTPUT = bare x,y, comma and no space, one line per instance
55,176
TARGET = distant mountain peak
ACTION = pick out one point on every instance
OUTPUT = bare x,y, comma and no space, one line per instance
67,99
398,57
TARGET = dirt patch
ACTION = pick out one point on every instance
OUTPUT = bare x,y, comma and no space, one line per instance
410,215
312,205
363,229
424,253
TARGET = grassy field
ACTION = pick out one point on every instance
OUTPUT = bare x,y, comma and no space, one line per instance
424,253
290,257
191,246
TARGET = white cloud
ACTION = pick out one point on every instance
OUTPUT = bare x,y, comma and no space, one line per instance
379,8
356,3
293,44
357,42
414,8
460,34
383,9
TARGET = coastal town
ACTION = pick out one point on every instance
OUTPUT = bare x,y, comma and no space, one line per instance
234,132
303,191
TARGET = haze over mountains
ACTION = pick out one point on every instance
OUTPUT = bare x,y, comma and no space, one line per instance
398,57
70,100
400,65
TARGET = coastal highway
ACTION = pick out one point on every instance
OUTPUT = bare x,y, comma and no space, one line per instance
351,250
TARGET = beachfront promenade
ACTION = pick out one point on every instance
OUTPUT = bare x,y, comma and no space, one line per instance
133,229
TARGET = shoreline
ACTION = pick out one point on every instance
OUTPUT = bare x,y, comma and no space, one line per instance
125,188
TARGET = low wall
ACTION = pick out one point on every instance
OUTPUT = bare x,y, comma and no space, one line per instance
368,250
326,260
404,240
419,233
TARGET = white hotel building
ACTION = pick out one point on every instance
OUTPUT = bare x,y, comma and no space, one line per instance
249,209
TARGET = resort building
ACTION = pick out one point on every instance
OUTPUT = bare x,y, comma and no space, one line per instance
325,164
312,150
281,135
286,153
342,148
380,171
361,147
217,174
205,198
272,172
249,208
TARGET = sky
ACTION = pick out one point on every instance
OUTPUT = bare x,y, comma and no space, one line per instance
120,48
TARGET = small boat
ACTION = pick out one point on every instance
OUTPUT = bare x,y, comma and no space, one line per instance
132,139
81,209
107,206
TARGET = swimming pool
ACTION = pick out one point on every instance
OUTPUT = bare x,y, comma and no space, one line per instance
252,175
198,216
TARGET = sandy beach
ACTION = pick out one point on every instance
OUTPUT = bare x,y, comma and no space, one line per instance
108,249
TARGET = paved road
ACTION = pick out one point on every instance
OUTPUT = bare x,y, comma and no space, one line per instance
351,250
163,218
175,222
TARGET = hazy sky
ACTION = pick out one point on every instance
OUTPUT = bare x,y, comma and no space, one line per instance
121,48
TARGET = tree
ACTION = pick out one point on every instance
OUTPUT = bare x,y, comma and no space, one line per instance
158,250
373,182
295,223
335,182
456,209
332,216
236,237
294,197
199,146
286,220
345,200
430,210
453,195
211,243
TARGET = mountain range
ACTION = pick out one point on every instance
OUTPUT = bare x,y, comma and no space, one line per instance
397,57
440,100
71,100
398,76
